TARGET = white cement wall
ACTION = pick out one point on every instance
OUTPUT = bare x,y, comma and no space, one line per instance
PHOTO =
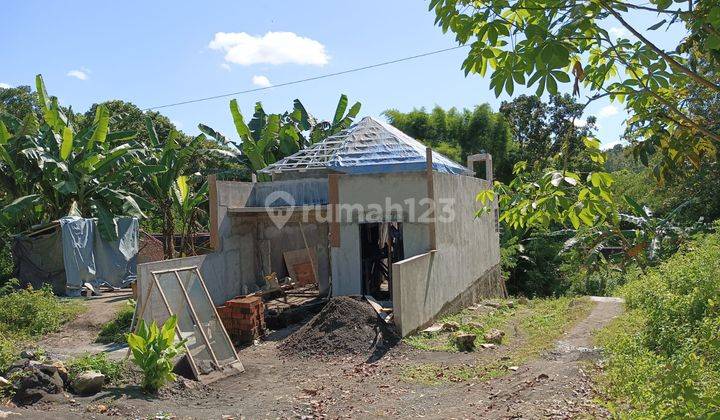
467,249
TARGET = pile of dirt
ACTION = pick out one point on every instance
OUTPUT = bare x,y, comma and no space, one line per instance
347,325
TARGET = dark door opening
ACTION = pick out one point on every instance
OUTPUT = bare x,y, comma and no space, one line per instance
381,244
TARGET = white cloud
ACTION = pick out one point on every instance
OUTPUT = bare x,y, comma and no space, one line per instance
177,124
78,74
261,81
618,32
271,48
5,86
225,66
607,111
579,122
606,146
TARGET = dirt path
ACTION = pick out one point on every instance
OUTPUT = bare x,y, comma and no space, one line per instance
554,385
277,385
79,335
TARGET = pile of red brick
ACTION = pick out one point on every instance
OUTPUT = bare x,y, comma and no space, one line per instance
243,318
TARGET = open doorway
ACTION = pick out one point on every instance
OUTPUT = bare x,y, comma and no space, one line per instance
381,244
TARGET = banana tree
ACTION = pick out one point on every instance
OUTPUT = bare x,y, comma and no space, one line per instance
188,203
166,188
341,120
49,168
267,138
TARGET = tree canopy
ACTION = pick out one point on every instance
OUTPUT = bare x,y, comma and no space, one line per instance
543,43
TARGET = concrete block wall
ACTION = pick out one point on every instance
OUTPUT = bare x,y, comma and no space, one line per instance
464,267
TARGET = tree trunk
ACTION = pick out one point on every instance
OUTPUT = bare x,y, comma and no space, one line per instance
168,233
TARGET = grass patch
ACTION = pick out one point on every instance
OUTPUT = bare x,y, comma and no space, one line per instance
113,370
663,354
28,314
535,325
476,321
116,331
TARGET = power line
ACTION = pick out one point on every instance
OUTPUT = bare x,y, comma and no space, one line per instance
294,82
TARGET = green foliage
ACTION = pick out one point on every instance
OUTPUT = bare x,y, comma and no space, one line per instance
543,130
32,313
49,169
153,351
267,138
28,314
113,370
664,354
531,328
459,133
542,44
116,331
8,351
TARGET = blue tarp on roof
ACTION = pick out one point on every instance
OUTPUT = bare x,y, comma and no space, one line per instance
370,146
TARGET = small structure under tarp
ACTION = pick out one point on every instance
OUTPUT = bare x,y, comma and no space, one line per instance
70,252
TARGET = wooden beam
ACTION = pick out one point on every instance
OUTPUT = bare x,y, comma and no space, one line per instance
213,203
431,195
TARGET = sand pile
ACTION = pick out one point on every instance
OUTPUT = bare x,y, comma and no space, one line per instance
346,326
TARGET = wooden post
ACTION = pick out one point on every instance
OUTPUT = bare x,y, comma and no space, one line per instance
431,196
334,198
213,204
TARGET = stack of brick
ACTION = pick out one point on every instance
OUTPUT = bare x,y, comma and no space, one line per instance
243,318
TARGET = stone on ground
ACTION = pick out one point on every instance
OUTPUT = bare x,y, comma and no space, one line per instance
89,383
494,336
464,341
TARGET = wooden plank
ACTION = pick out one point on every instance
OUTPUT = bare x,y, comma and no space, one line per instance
309,254
431,196
298,256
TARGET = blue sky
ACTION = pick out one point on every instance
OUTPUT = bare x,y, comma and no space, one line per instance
159,52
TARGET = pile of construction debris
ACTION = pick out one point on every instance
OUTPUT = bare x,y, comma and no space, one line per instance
346,326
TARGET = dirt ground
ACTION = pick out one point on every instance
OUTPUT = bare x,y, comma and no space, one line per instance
78,336
276,385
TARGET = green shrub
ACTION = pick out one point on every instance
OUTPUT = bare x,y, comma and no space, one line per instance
113,370
32,313
116,331
8,351
153,351
664,354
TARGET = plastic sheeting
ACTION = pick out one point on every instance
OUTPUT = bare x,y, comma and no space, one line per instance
38,261
90,259
369,146
75,254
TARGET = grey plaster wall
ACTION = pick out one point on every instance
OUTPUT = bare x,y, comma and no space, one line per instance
468,254
360,196
401,192
223,265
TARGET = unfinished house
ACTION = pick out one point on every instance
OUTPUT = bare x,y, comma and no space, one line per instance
369,211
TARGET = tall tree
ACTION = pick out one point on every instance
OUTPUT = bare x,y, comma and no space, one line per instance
460,133
543,130
541,43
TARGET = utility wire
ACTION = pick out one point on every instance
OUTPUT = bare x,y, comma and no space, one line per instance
294,82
